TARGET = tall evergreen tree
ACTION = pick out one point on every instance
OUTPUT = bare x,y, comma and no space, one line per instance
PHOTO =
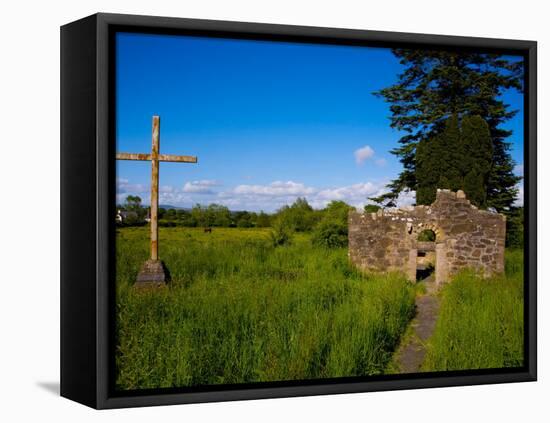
478,159
436,85
459,157
428,169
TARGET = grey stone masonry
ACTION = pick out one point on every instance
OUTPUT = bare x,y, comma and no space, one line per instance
465,237
151,275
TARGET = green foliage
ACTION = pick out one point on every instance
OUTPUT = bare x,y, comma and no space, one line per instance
240,311
300,215
332,230
431,164
132,219
337,210
372,208
477,159
133,203
282,232
263,220
427,235
330,234
436,85
211,215
243,219
170,214
459,157
167,223
474,187
136,214
515,229
480,325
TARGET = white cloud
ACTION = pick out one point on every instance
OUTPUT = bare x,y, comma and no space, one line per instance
381,162
267,197
518,170
277,194
168,194
406,198
362,154
351,193
201,187
276,189
124,186
519,198
176,198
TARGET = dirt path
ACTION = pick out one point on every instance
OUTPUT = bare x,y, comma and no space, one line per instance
410,354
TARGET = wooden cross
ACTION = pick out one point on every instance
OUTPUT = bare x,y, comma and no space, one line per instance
152,272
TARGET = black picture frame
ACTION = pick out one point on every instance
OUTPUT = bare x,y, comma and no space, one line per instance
87,205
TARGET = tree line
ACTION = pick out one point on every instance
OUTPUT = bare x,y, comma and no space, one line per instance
328,226
213,215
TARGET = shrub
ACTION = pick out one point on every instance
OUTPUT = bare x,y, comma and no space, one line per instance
332,231
331,234
300,215
281,233
372,208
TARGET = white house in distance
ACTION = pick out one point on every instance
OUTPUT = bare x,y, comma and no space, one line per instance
123,215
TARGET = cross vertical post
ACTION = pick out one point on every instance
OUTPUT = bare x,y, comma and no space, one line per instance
152,272
155,188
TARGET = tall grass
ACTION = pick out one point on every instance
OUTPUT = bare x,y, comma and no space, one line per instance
481,321
239,310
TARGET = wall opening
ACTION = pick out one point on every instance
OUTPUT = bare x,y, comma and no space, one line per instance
427,235
425,258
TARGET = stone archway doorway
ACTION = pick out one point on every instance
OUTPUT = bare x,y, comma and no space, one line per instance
425,254
427,258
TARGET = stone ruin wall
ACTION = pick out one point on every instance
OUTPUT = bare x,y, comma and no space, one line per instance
465,237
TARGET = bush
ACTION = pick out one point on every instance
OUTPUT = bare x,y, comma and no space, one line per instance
372,208
332,231
300,215
330,234
281,233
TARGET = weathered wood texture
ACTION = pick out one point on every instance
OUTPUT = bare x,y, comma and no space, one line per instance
161,157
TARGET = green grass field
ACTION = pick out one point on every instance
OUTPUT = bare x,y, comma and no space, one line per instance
480,325
239,310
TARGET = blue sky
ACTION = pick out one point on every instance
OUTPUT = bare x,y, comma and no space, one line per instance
269,121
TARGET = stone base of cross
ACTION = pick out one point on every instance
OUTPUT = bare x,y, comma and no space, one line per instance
153,274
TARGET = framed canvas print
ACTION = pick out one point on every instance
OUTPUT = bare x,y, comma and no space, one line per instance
255,211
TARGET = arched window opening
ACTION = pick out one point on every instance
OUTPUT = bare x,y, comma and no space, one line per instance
427,235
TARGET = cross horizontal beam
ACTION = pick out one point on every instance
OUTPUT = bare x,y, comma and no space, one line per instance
161,157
